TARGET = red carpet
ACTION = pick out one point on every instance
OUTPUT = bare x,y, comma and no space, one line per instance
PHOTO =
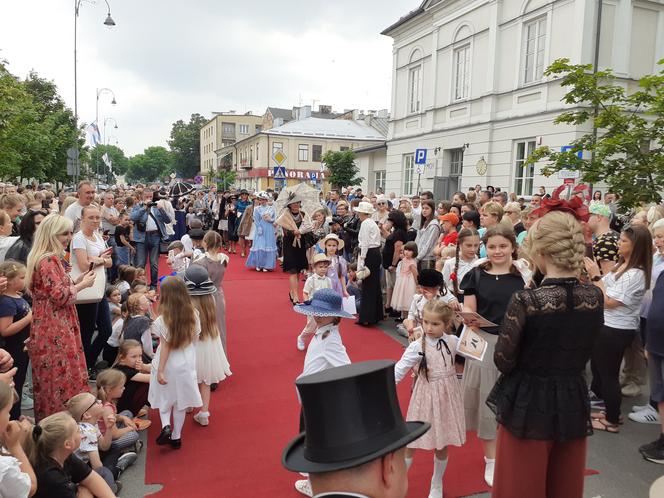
255,412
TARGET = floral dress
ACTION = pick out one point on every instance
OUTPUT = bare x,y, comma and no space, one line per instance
55,347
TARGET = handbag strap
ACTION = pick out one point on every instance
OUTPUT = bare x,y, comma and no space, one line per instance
155,221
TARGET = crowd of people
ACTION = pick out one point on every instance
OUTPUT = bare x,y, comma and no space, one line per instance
549,286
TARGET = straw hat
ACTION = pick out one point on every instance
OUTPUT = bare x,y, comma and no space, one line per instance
331,236
365,207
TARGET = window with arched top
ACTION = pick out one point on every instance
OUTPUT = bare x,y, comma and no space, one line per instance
415,55
415,81
461,62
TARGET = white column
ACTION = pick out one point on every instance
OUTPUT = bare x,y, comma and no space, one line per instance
396,113
584,31
492,59
434,72
622,37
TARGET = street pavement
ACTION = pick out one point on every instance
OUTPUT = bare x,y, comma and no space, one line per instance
623,473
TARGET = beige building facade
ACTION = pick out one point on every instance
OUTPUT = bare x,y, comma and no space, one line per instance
224,129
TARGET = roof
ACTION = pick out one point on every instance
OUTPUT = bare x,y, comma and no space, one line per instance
328,128
278,113
370,148
405,19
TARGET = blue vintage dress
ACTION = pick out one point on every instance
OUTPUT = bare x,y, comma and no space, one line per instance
263,252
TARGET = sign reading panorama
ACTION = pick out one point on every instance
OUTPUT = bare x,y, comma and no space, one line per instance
300,174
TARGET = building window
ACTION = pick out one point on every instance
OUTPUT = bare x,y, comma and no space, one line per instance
244,129
456,162
414,85
316,153
228,129
344,148
277,146
379,181
256,152
258,128
534,40
408,173
523,175
302,152
462,73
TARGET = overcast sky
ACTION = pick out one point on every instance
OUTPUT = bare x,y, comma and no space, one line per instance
167,59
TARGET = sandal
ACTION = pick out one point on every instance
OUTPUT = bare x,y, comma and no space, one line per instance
600,424
142,424
602,416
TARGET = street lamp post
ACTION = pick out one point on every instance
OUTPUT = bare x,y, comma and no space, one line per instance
115,126
107,22
101,91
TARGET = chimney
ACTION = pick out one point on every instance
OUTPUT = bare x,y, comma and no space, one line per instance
356,115
303,112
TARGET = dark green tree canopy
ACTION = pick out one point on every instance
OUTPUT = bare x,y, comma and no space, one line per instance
153,164
185,143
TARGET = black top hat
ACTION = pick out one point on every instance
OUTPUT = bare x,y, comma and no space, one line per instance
430,278
352,416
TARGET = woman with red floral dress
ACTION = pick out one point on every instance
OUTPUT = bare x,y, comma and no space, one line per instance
55,349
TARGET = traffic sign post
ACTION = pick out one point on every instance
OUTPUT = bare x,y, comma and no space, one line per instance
198,179
279,173
420,163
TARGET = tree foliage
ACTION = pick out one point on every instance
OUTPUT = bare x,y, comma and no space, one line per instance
36,129
154,163
342,168
628,148
185,143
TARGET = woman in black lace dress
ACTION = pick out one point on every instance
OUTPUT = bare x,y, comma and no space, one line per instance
541,399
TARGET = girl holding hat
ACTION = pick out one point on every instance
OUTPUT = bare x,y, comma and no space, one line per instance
211,363
369,241
263,253
332,246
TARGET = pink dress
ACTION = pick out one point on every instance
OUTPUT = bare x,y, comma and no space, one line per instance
438,399
405,286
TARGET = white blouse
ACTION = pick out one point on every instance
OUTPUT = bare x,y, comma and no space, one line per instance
629,289
448,269
412,356
13,481
368,237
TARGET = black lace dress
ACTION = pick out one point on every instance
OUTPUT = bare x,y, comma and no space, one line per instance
545,342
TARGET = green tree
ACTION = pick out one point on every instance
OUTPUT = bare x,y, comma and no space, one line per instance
342,168
153,164
226,178
627,152
120,163
185,143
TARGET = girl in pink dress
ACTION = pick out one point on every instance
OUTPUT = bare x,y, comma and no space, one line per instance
406,284
436,397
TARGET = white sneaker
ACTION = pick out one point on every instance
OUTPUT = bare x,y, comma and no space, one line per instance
638,408
301,346
202,418
646,416
304,486
488,471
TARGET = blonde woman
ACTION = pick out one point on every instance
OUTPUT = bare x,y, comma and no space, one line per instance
546,338
55,347
513,215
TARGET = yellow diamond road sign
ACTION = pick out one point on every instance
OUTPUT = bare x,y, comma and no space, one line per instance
279,157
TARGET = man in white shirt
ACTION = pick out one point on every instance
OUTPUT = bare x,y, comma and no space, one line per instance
86,194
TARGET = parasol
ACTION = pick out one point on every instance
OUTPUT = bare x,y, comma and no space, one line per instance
309,196
180,188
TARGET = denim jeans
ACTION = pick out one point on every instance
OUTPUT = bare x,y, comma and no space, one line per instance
149,247
112,272
123,255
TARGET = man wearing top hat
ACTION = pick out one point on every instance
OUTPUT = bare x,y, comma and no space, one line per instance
355,436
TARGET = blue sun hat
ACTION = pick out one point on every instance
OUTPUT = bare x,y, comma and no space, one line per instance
324,302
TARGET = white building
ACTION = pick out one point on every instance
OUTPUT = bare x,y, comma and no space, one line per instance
467,85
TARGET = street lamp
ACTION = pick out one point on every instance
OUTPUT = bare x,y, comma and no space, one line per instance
101,91
109,22
115,123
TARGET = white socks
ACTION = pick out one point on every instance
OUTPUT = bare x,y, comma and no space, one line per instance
436,490
489,465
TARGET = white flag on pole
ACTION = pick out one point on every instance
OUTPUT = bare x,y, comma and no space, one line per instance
94,138
107,159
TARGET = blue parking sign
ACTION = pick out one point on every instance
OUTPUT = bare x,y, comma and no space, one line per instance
420,156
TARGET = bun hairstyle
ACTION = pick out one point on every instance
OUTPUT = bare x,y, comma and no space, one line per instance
446,314
559,236
11,269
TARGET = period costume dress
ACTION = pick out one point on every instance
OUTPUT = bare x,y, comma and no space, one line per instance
369,241
55,348
216,268
405,286
295,251
246,221
263,253
436,397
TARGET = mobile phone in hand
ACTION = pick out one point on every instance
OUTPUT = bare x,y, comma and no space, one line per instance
92,265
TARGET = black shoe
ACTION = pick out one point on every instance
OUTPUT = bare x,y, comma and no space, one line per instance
213,386
176,444
652,445
653,452
164,436
118,487
92,374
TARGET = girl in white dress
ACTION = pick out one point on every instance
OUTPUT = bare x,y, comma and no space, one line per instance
17,478
173,383
211,362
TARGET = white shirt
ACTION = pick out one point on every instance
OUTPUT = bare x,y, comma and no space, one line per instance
315,283
448,269
368,237
187,243
73,212
108,212
325,351
116,331
5,244
150,224
417,217
629,289
413,354
94,249
419,302
13,481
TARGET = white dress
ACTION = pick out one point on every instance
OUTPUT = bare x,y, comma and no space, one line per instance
13,481
181,388
211,363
